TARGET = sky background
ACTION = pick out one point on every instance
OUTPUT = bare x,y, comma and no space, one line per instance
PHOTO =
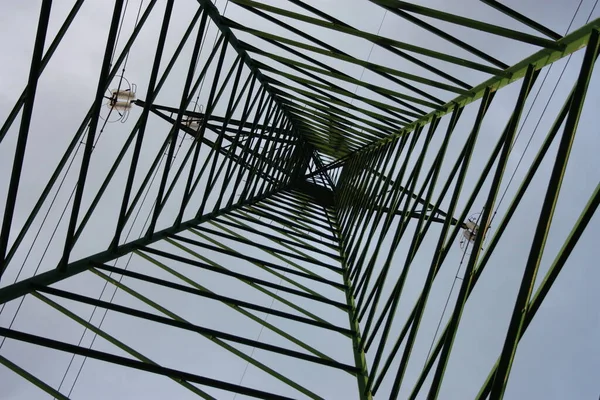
557,358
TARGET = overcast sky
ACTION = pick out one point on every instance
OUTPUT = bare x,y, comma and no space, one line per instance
559,356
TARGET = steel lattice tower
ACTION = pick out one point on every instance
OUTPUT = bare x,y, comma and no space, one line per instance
303,218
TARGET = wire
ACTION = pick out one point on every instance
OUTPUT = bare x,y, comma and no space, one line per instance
451,289
198,59
262,327
43,223
456,277
368,58
110,274
81,142
543,111
127,237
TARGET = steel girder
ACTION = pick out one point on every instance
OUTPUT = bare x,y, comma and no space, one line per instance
297,198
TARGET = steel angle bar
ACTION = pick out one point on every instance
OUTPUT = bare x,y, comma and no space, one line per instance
111,339
255,143
143,122
306,273
248,106
328,89
121,155
545,219
469,23
217,341
217,267
173,133
33,379
294,237
368,211
300,204
295,224
212,333
398,288
269,267
222,150
273,251
357,346
337,51
159,85
139,365
358,242
103,82
364,283
385,42
416,314
261,164
224,299
293,214
381,130
44,62
498,232
365,64
319,114
569,44
462,164
19,154
211,103
260,145
254,7
219,21
324,69
23,287
77,136
50,51
283,230
508,138
329,99
522,18
242,311
553,272
444,35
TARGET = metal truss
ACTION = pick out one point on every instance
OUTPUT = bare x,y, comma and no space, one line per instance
295,198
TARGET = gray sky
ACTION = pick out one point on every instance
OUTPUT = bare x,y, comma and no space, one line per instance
558,357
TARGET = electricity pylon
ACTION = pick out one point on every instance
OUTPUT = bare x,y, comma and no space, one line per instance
296,199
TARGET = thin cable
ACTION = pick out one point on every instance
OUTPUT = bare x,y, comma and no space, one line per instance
81,142
368,58
543,111
451,289
111,273
114,265
456,277
198,59
262,327
64,210
44,221
112,57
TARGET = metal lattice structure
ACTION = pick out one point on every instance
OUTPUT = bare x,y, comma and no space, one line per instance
299,223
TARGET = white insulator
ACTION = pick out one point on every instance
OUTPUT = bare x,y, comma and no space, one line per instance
122,105
192,124
470,230
471,225
123,94
469,235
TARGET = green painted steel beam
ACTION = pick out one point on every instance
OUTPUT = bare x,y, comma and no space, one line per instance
32,378
571,43
116,342
469,23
